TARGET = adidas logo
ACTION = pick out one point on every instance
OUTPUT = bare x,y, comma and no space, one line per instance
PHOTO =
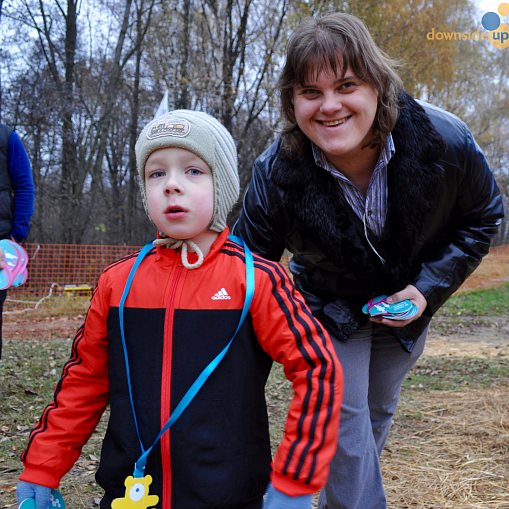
221,295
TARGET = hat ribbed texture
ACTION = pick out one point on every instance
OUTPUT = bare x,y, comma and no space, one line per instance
208,139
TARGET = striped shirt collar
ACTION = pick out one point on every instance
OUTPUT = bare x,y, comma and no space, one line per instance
386,154
371,208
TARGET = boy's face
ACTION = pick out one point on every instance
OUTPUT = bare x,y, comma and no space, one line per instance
180,194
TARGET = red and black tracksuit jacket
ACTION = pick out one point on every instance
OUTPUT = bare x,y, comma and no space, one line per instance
177,320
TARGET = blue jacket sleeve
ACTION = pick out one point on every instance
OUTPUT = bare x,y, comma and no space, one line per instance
22,182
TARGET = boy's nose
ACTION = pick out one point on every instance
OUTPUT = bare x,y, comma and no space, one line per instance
173,189
173,185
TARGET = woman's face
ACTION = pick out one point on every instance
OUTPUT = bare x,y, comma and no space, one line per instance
337,114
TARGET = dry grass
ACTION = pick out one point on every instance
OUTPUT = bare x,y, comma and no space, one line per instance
450,450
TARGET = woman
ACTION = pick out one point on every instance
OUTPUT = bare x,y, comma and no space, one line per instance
374,193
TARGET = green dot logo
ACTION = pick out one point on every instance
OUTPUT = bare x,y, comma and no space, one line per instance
498,32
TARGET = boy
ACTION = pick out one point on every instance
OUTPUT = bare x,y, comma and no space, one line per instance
181,310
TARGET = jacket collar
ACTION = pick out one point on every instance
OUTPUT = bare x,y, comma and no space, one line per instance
413,175
167,257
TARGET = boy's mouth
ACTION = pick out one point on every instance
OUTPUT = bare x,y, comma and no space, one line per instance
174,210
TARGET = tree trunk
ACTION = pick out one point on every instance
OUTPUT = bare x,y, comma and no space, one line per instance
133,136
69,208
183,97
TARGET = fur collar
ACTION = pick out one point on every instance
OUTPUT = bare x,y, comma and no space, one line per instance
413,176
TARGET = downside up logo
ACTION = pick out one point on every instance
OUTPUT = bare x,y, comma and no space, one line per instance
498,32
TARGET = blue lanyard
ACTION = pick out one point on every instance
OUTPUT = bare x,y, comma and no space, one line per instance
139,467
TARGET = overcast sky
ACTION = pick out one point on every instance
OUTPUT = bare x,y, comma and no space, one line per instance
489,5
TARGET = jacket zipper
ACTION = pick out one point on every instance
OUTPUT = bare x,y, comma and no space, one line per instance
166,388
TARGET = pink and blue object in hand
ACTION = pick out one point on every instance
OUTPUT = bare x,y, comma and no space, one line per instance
16,259
379,306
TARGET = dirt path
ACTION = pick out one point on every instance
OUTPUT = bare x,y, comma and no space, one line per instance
483,337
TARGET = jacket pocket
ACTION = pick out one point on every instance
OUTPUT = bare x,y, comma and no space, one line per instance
340,321
206,456
121,447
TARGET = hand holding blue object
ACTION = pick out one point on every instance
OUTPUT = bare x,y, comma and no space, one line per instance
35,496
379,306
275,499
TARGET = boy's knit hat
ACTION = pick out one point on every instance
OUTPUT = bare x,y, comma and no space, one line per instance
208,139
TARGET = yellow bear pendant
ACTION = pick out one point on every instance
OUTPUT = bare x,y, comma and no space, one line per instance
136,494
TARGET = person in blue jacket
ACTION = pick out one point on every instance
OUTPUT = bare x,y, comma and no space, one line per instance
16,196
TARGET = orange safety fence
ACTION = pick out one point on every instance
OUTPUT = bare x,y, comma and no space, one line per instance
55,298
61,278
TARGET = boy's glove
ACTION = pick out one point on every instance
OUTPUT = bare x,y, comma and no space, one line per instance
275,499
41,494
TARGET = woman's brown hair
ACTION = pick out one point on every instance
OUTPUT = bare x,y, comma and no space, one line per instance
335,42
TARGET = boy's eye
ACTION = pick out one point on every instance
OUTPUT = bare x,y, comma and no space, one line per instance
195,171
156,174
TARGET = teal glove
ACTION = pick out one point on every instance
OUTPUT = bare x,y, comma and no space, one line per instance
275,499
41,494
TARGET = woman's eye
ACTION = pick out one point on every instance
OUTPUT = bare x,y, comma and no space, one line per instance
348,84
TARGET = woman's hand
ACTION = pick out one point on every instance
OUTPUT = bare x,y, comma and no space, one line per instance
409,293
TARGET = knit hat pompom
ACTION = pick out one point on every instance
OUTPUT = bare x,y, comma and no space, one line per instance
208,139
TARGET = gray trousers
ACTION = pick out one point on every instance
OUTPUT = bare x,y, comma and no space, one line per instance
374,367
